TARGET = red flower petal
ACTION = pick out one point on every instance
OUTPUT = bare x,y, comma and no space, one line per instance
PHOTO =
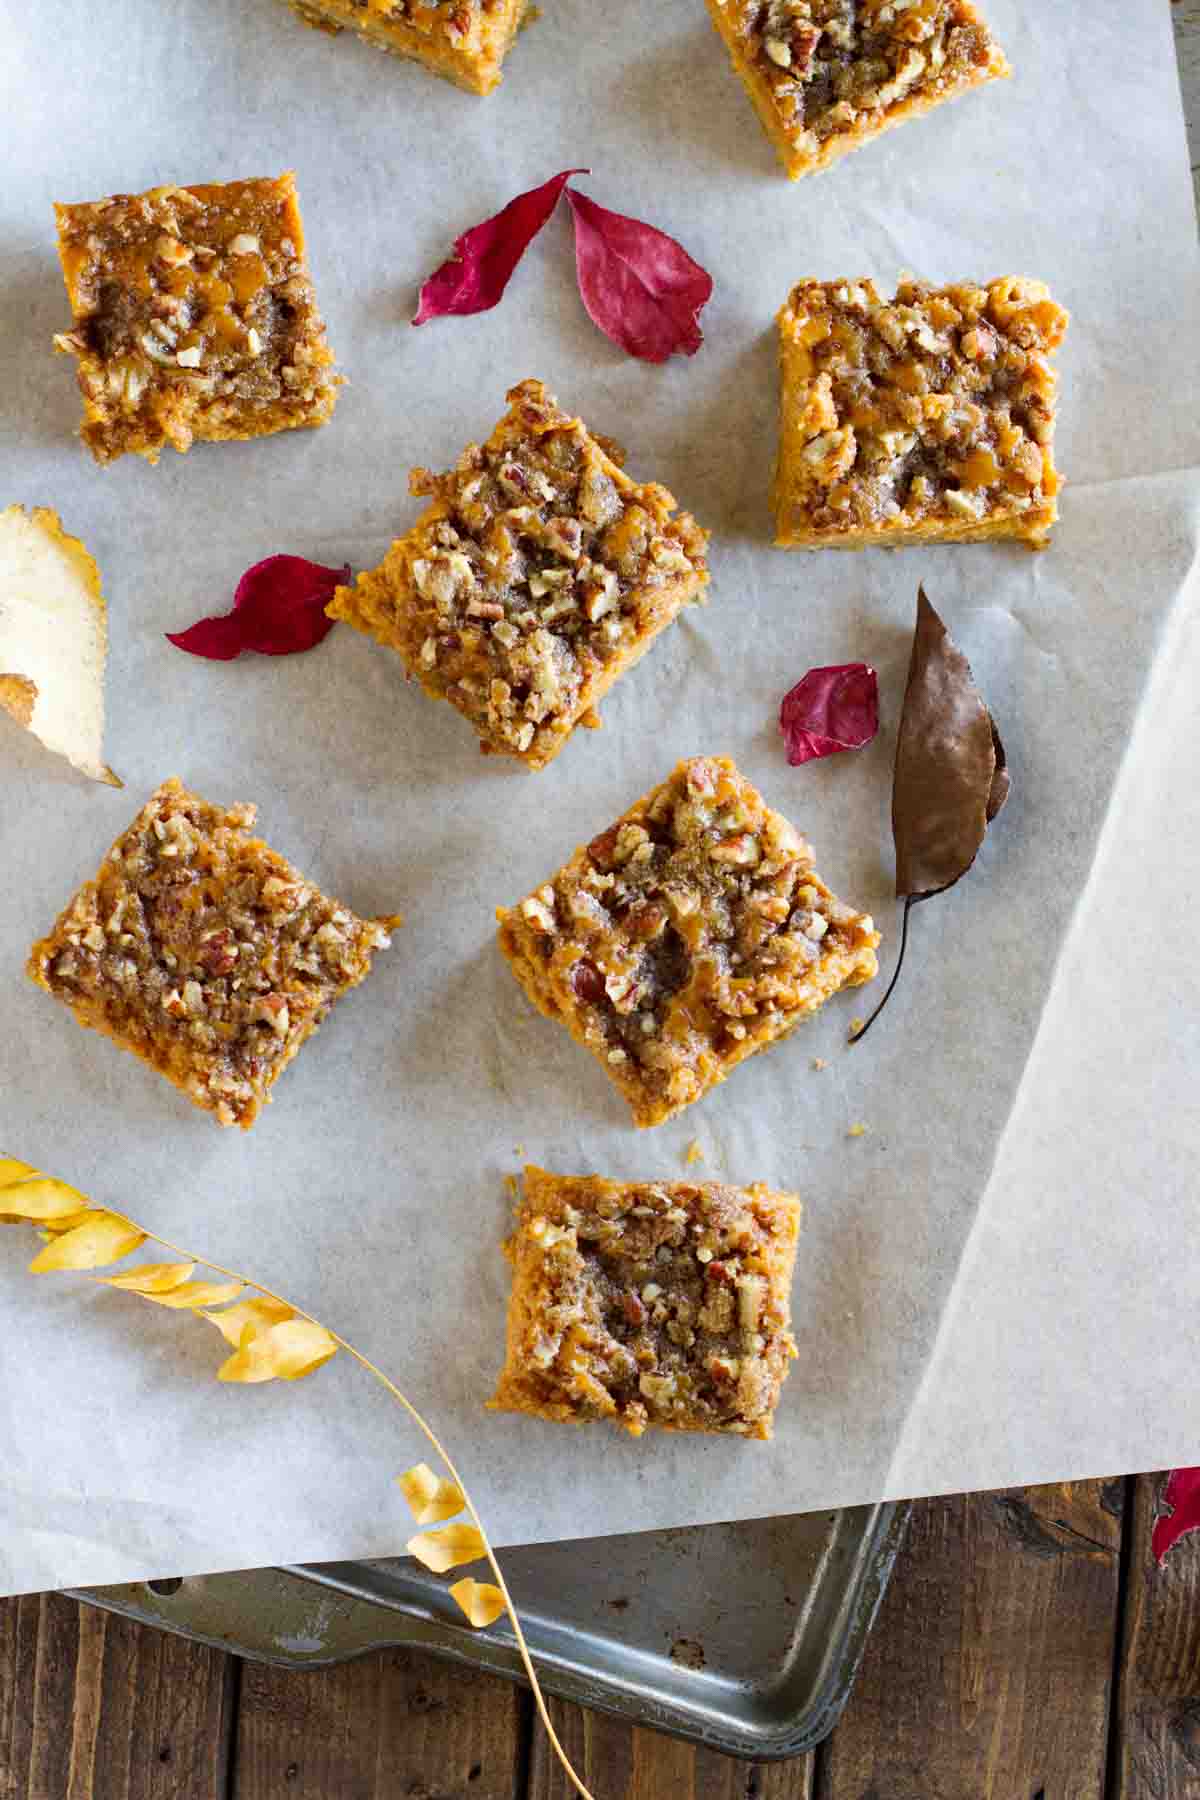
830,710
279,608
1182,1495
640,287
474,278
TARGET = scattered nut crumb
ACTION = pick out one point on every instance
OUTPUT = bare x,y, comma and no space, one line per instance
694,1152
857,1130
856,1026
818,1062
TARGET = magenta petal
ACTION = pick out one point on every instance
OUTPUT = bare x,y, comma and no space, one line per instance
831,709
639,286
474,278
278,609
1182,1495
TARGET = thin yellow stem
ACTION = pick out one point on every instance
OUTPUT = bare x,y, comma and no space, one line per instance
437,1445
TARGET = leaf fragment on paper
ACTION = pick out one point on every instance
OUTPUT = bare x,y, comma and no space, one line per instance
482,1601
53,638
639,284
431,1498
482,263
829,710
278,610
447,1548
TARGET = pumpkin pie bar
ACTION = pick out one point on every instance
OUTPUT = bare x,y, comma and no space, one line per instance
464,40
690,934
203,952
828,75
194,317
650,1303
538,574
924,419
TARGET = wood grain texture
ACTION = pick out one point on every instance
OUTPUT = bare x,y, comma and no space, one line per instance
619,1761
1158,1693
390,1725
93,1707
988,1674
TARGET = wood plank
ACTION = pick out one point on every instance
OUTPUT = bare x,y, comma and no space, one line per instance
1157,1754
989,1669
620,1761
395,1723
93,1707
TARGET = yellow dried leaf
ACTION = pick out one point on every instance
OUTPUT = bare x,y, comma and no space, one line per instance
199,1293
12,1170
448,1548
241,1324
52,1228
431,1497
151,1278
41,1198
482,1601
105,1238
283,1353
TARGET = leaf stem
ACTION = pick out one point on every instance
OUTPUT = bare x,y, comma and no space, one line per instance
909,901
439,1449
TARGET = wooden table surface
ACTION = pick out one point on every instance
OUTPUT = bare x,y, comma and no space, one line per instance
1028,1649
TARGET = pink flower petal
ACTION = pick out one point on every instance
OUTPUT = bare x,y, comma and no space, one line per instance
278,609
830,709
640,287
1182,1495
474,278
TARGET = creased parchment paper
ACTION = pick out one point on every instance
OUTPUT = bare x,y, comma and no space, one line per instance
989,1276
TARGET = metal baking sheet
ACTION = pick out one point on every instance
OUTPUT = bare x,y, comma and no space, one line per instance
743,1637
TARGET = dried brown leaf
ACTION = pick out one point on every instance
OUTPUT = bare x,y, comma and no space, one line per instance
950,778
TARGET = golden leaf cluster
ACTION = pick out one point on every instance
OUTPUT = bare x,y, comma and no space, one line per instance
271,1341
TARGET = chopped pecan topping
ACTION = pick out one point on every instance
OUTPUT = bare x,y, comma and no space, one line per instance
620,1316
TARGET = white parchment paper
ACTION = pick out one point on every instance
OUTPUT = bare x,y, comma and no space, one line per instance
990,1275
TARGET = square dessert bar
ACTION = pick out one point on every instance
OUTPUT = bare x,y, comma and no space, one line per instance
539,573
464,40
650,1303
924,419
202,951
690,934
195,317
828,75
